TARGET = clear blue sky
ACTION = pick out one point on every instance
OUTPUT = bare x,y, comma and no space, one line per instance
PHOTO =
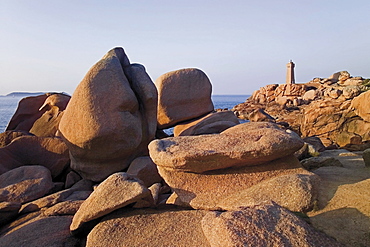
49,45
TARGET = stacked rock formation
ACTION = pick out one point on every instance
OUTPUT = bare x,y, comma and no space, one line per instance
206,170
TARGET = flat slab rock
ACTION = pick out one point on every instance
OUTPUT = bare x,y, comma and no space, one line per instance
247,144
118,190
149,227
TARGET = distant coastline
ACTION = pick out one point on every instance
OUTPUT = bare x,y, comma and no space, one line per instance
22,94
26,94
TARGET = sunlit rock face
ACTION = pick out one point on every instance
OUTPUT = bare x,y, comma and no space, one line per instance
183,95
111,117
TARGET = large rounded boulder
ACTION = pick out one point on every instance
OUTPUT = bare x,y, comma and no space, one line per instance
111,117
183,95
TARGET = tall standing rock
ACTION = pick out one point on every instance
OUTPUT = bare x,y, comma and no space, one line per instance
111,117
183,95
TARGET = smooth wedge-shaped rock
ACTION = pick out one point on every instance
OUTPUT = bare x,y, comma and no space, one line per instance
117,191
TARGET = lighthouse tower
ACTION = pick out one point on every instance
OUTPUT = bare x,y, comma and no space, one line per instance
290,73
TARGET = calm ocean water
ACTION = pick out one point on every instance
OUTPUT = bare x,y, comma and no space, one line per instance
8,105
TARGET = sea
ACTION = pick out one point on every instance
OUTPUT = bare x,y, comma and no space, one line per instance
9,104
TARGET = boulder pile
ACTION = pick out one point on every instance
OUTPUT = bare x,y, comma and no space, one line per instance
332,109
98,168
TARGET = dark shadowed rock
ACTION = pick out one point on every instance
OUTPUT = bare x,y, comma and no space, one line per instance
64,208
32,108
38,231
8,211
8,136
50,152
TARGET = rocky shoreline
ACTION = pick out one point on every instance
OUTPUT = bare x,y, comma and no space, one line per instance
97,168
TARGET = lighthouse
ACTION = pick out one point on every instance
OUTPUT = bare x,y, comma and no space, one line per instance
290,73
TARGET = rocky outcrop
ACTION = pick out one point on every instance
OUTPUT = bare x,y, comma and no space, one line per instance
110,118
183,95
332,109
32,108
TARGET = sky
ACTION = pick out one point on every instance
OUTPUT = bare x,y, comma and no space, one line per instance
49,45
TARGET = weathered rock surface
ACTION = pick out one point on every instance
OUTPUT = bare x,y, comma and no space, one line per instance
163,227
296,192
83,186
50,152
360,105
110,118
215,122
262,225
144,169
208,190
64,208
24,184
343,208
317,162
246,144
183,95
118,190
